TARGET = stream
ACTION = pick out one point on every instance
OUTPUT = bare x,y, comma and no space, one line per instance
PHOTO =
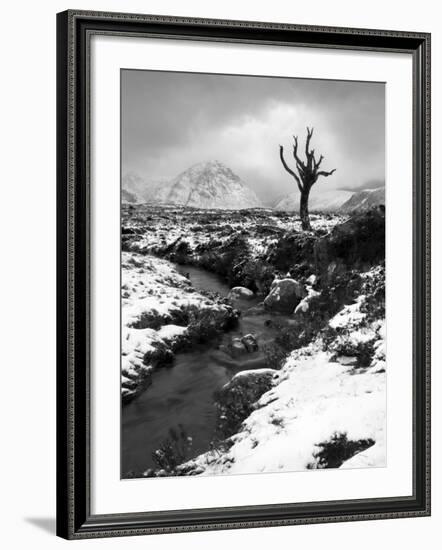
183,393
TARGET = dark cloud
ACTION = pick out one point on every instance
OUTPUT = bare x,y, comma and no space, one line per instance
173,120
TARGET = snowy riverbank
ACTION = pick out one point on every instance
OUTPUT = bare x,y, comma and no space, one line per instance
161,312
325,408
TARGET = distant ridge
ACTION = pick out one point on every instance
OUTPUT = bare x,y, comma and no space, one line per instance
364,200
322,201
343,201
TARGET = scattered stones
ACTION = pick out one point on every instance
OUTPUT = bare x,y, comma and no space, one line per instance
241,346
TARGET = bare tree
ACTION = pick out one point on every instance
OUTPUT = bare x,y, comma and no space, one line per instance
308,174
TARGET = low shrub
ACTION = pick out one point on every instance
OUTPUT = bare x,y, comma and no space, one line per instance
206,324
294,250
149,319
347,346
274,355
337,450
182,253
237,399
357,243
173,451
373,288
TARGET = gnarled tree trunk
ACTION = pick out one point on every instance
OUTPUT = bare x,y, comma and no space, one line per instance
303,210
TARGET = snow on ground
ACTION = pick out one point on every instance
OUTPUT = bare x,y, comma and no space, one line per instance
318,398
349,315
198,227
154,298
315,400
304,304
152,286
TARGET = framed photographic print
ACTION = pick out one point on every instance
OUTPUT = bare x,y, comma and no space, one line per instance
243,274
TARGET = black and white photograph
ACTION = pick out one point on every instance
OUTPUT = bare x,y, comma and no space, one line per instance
253,330
219,279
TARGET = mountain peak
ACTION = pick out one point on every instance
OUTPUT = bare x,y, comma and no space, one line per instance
211,184
213,164
210,166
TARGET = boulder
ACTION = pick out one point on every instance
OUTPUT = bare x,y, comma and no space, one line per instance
240,293
347,360
244,345
250,343
237,347
250,384
284,295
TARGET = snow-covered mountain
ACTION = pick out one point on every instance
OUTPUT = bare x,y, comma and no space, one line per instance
323,200
364,200
210,185
205,185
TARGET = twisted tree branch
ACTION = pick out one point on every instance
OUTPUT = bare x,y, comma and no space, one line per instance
317,164
307,141
288,169
326,174
295,153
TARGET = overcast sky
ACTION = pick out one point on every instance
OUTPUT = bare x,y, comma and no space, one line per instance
171,121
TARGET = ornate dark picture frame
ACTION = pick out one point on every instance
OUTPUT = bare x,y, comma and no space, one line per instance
74,31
